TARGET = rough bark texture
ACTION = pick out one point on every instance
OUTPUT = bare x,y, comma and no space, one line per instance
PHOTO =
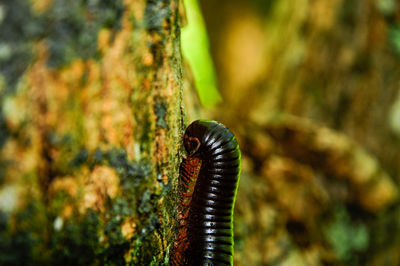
90,129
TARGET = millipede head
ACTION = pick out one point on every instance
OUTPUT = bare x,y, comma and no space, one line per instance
195,134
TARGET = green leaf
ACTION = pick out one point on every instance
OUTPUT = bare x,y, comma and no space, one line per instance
195,48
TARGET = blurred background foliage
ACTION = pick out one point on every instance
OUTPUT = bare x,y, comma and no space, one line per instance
312,90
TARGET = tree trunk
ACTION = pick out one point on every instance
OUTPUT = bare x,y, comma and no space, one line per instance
90,124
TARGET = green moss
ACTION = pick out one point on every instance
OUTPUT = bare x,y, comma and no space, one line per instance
113,253
22,238
78,241
145,204
70,155
134,203
80,158
73,31
132,174
57,204
4,135
3,169
143,251
90,240
17,29
157,11
69,29
4,132
42,237
160,109
121,207
146,133
15,247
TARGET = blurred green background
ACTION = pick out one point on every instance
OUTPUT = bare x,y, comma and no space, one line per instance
312,89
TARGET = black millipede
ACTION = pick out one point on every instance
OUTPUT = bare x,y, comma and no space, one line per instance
208,182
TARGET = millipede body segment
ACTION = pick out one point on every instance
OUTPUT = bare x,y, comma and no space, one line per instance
208,184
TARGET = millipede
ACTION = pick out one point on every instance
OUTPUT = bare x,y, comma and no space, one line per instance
208,182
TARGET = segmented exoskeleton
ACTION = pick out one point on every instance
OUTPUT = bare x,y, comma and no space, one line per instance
208,184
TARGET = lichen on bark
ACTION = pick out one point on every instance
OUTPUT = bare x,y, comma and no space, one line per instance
90,128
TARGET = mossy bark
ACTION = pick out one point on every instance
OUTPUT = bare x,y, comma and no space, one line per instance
90,124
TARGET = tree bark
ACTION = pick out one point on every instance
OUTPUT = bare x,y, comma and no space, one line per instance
90,124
